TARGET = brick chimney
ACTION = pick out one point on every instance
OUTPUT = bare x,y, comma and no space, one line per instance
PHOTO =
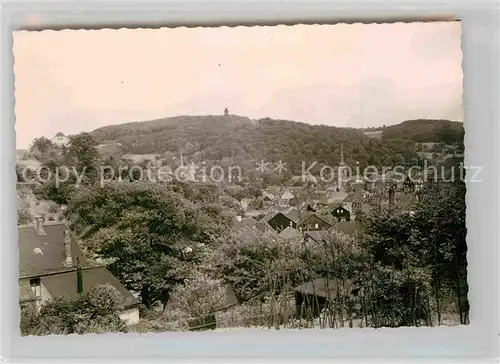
68,259
39,225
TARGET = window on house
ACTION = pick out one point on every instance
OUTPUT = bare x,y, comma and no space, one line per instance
36,287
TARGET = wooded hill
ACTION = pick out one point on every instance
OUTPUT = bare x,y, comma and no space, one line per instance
425,131
215,137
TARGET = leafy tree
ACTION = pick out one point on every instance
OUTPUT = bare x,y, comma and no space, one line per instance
257,264
419,255
338,255
200,296
450,135
226,162
398,160
41,145
168,159
61,190
399,296
440,228
256,204
338,258
271,179
93,312
24,215
388,162
59,193
286,175
254,190
84,155
237,192
154,235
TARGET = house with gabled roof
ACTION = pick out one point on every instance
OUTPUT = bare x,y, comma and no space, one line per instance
296,219
335,196
287,195
60,140
296,215
267,197
341,213
308,206
313,221
49,259
314,296
279,221
320,197
282,197
357,203
333,186
242,222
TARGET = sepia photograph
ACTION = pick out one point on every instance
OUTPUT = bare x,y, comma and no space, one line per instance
288,177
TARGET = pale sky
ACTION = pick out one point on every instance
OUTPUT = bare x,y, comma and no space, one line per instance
341,75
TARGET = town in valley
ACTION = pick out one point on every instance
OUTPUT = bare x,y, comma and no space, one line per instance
269,248
243,181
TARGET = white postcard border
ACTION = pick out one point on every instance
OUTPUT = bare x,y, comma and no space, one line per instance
480,38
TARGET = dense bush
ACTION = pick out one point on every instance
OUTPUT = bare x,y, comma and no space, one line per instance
93,312
24,215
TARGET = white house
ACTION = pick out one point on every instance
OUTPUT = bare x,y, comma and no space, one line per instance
60,140
287,195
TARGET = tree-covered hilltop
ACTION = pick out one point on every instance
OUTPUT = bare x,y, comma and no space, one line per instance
212,137
215,137
426,131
